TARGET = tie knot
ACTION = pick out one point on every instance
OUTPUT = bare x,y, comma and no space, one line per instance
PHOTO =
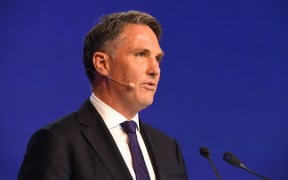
129,127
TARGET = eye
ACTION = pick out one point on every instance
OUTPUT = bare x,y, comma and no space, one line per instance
141,54
159,59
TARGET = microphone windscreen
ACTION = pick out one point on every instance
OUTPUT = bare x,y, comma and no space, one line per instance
131,85
204,151
231,159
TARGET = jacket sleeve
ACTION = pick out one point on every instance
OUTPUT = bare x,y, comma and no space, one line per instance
46,157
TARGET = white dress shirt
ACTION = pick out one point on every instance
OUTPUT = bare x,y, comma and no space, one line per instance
113,119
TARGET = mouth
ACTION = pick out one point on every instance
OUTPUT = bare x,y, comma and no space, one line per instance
151,86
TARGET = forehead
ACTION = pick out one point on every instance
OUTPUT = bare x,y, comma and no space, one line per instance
139,34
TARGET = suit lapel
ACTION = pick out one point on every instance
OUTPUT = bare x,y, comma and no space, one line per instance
150,148
100,139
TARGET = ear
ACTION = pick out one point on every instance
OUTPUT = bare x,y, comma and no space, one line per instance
101,63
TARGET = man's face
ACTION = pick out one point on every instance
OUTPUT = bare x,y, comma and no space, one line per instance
136,61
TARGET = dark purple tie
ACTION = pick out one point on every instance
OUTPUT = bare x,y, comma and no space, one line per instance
138,161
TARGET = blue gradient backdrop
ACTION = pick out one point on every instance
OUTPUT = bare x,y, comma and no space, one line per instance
224,77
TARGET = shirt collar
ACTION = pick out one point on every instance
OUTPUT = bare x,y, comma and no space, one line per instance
111,117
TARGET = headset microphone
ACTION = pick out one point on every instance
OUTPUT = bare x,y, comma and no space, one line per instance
129,85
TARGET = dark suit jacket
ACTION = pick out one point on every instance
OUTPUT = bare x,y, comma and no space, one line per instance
80,147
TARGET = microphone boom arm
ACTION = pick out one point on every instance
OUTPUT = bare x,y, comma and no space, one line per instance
214,169
252,172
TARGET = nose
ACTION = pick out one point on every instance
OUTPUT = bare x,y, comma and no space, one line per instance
153,68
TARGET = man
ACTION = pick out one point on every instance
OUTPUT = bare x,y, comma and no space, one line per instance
121,58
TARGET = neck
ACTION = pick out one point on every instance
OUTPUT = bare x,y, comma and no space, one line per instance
115,103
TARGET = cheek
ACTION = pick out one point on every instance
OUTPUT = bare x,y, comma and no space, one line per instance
135,74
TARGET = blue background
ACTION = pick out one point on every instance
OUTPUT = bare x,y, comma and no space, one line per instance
223,84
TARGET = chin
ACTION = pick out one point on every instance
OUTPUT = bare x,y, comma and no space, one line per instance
145,104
